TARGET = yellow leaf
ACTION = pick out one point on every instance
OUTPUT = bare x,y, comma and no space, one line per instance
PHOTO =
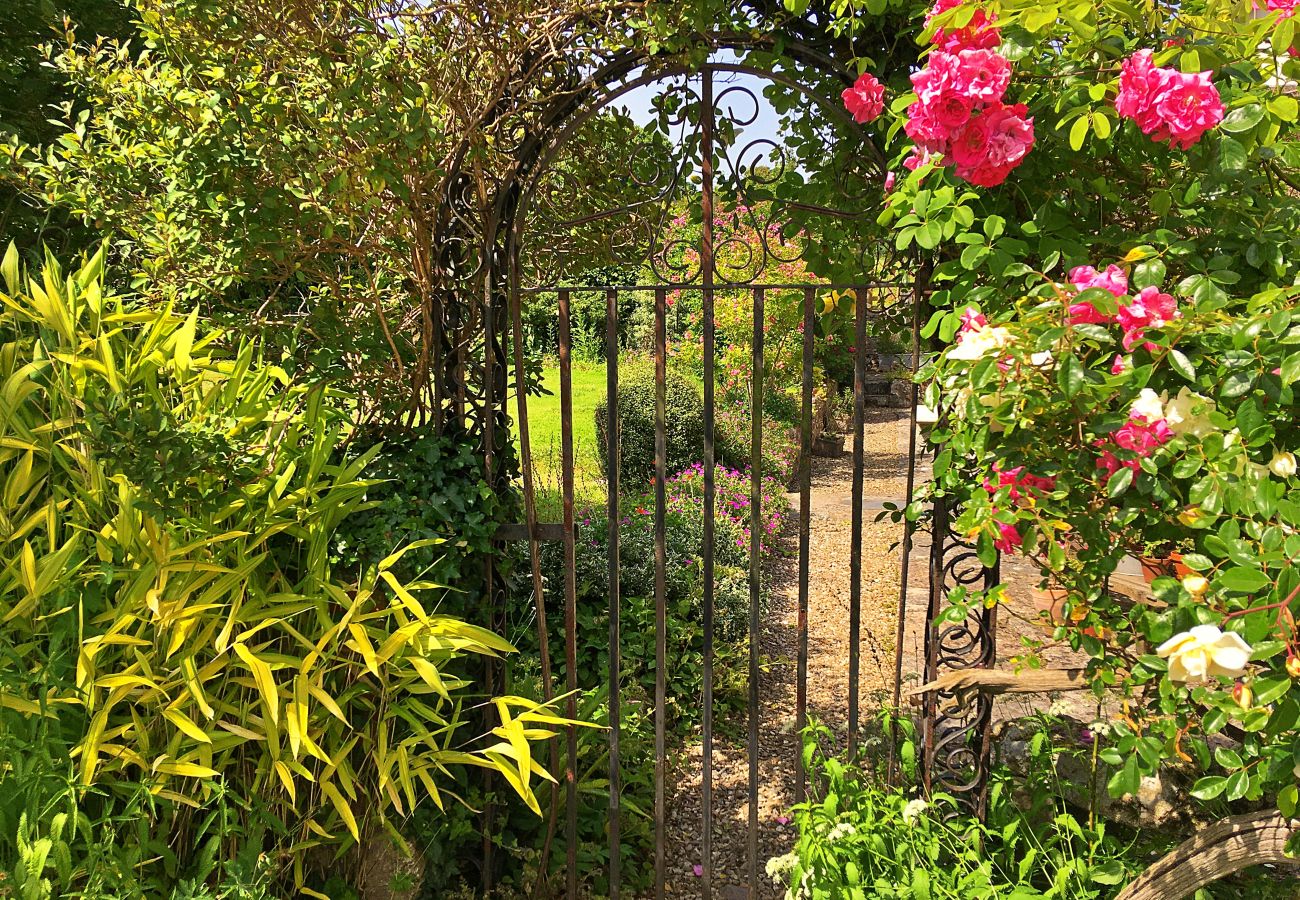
286,778
364,647
195,688
184,769
429,672
265,681
186,724
344,811
328,702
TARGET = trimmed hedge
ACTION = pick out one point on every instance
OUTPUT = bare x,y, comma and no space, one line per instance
636,408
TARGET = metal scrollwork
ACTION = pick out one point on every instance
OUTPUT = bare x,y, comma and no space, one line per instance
957,726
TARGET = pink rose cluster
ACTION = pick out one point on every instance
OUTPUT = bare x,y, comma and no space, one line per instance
959,112
1285,9
1022,489
866,99
1149,307
1141,435
1169,105
978,34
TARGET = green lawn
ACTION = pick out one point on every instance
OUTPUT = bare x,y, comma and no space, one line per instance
544,435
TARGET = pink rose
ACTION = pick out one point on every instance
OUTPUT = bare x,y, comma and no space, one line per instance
1119,364
917,158
1112,279
1006,137
982,75
1168,105
866,99
970,145
1149,309
978,33
1010,539
1286,8
972,320
1188,106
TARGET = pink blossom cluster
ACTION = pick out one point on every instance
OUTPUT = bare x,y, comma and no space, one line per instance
1021,485
959,113
979,33
866,99
685,494
1023,488
1169,105
1149,307
1140,435
1286,9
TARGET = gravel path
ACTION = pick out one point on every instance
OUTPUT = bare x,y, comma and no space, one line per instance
828,666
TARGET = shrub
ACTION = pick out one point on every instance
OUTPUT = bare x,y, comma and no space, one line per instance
181,658
636,409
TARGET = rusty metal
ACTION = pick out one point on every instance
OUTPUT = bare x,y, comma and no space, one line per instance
570,594
805,536
855,529
615,634
756,531
707,267
900,634
661,600
957,727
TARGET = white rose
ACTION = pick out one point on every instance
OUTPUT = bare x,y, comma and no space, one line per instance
1283,464
1203,652
1189,413
975,345
1149,405
1042,360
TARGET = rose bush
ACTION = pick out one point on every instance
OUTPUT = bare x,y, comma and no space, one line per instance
1110,195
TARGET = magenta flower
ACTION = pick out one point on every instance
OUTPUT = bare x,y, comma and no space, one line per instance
866,99
1168,105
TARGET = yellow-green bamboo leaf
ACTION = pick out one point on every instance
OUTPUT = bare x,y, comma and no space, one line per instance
328,702
364,647
286,778
187,725
184,769
265,681
341,806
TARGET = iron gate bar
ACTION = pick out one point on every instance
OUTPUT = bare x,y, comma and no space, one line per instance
615,705
710,339
535,561
661,566
489,443
805,534
570,595
855,548
900,633
757,375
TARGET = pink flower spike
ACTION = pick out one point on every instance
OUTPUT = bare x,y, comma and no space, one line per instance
783,820
698,870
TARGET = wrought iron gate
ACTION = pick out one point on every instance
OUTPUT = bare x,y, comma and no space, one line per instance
955,736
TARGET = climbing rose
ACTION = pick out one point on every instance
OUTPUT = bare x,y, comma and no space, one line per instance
866,99
1005,136
977,344
979,32
1149,309
982,75
1020,484
1168,105
1205,651
972,320
1010,538
1189,413
1112,279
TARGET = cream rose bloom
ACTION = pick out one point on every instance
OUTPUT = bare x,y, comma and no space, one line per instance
974,345
1283,464
1148,405
1203,652
1189,413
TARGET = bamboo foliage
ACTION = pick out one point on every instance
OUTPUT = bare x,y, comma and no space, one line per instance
169,507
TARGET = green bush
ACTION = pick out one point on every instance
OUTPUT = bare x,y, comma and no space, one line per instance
186,677
684,421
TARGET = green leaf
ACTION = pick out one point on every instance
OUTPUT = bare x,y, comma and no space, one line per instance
1284,107
1244,580
1238,785
1243,118
1287,799
1127,780
1079,132
1182,365
1209,787
1071,376
1119,482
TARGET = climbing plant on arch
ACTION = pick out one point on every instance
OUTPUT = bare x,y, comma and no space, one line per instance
1111,192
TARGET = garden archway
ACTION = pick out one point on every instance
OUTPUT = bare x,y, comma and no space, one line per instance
749,195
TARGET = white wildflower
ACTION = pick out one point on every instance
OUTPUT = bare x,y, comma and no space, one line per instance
778,866
1189,413
1205,651
975,345
1148,405
912,811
